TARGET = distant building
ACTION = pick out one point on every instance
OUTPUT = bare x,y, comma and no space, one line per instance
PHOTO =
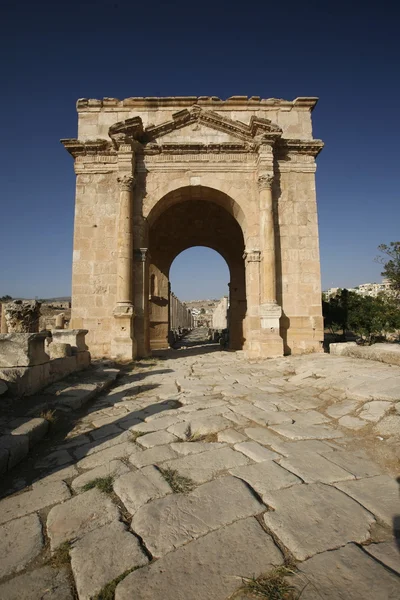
364,289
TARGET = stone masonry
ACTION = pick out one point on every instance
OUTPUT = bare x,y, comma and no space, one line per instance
158,175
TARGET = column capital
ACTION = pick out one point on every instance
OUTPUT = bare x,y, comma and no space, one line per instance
252,256
142,254
265,181
126,183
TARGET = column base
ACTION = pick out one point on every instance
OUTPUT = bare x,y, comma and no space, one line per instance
266,342
123,343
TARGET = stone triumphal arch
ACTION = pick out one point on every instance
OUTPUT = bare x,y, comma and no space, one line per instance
158,175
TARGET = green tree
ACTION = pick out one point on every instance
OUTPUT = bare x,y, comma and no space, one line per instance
5,298
391,264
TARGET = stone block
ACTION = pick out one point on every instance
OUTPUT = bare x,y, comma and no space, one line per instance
35,429
21,541
136,489
83,360
209,568
78,516
41,496
3,388
115,468
206,465
209,507
102,555
41,584
62,367
379,495
25,381
22,316
17,447
74,337
22,349
59,350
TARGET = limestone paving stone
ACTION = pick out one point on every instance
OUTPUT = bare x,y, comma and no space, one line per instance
389,426
351,422
21,541
265,477
206,465
186,448
105,431
261,416
256,452
264,436
114,468
356,462
373,411
152,456
138,488
298,431
231,436
386,553
79,515
55,459
379,495
209,568
117,451
42,495
41,584
312,467
303,446
35,428
57,475
102,555
340,409
172,521
313,518
200,426
100,445
156,424
158,438
347,573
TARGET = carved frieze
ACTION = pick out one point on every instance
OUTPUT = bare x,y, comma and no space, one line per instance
252,256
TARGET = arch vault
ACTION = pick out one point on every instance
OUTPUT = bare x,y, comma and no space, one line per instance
158,175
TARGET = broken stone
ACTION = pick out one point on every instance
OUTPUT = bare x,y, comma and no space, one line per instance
209,507
42,495
210,568
21,541
40,584
261,416
386,553
255,451
355,462
78,516
114,468
379,495
342,408
375,410
346,574
312,467
206,465
102,555
309,519
265,477
136,489
22,316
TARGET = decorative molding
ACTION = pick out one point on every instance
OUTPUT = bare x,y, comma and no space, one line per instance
252,256
286,147
265,181
89,148
141,254
125,183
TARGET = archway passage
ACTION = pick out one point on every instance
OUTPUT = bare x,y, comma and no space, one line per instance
184,220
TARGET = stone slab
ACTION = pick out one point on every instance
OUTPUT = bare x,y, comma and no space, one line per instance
209,568
22,349
206,465
265,477
255,451
105,431
55,459
138,488
347,574
389,426
374,411
207,508
41,496
35,428
41,584
200,426
119,451
352,422
340,409
102,555
152,456
162,422
21,541
262,417
356,462
314,518
298,431
312,467
16,446
379,495
387,553
158,438
114,468
186,448
231,436
78,516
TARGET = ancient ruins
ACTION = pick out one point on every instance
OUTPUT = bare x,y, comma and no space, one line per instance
156,176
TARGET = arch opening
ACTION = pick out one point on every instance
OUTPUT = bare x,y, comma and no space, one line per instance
187,222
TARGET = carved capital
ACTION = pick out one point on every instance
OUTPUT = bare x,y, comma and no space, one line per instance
252,256
142,254
126,183
265,181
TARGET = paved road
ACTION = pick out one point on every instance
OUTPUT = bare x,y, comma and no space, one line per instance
211,469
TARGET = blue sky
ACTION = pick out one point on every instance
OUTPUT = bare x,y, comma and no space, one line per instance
53,53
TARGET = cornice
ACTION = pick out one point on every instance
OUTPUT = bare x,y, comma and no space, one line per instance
89,148
309,147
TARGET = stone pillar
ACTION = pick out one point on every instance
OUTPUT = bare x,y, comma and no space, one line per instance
270,311
3,323
124,344
141,296
60,321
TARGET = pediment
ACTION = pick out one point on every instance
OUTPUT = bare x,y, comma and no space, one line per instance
198,126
